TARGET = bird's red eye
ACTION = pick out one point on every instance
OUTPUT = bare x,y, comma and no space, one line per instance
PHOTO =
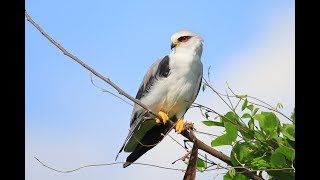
184,38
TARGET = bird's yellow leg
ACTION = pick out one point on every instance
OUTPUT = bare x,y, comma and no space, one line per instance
179,125
164,117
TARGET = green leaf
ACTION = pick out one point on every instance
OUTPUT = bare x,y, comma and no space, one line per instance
246,115
255,111
221,140
227,177
277,160
234,156
230,116
244,105
237,176
228,138
268,122
251,124
250,107
232,172
247,135
273,134
282,175
260,162
213,123
232,131
241,153
259,136
288,130
240,176
284,142
241,96
259,117
288,152
201,165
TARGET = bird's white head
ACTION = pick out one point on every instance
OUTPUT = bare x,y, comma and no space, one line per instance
186,39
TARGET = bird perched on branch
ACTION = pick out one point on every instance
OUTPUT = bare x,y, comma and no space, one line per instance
169,87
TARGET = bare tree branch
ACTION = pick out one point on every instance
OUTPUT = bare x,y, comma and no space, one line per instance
107,80
170,123
190,173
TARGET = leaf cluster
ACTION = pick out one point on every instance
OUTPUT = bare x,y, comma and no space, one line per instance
259,141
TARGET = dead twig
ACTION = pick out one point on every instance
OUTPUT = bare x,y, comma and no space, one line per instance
184,157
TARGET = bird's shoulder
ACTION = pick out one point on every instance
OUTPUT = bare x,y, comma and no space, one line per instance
159,69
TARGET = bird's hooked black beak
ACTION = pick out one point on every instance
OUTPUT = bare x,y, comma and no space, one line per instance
173,45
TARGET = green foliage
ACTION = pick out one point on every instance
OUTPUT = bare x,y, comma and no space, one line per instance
201,164
288,131
228,138
233,175
259,141
244,105
213,123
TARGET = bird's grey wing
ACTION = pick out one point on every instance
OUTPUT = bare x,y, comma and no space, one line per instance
159,69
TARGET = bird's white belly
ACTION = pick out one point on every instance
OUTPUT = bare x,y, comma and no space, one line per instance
179,95
173,95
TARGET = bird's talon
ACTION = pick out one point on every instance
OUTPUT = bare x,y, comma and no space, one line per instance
180,126
164,117
158,120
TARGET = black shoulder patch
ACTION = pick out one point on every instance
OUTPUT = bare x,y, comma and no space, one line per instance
163,69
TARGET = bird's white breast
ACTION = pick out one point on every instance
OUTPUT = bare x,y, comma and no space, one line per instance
176,93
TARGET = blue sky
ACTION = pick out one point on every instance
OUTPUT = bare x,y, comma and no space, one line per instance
69,122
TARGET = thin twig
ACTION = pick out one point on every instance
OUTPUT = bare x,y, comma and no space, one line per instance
200,132
228,97
237,103
215,112
107,80
272,109
183,158
257,99
104,164
216,93
104,90
178,142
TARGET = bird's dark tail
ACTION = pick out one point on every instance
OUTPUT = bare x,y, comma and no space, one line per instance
119,152
136,154
151,139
